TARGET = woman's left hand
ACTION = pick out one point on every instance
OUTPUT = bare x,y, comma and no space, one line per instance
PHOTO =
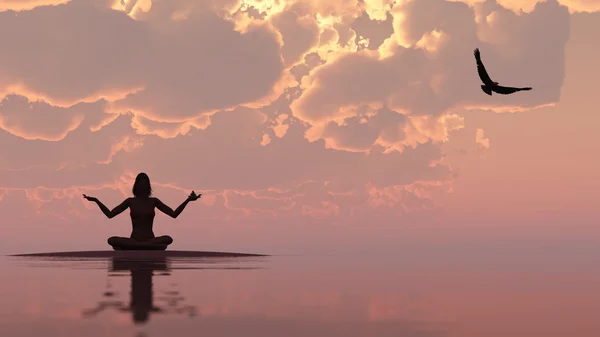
193,196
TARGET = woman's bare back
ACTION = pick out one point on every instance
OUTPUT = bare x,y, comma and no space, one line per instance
142,218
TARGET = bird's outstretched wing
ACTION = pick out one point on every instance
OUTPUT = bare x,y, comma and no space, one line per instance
508,90
483,75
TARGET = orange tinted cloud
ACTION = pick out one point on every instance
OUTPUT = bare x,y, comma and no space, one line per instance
146,126
37,120
181,77
22,5
529,5
438,74
484,143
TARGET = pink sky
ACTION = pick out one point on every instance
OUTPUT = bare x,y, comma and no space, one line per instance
316,124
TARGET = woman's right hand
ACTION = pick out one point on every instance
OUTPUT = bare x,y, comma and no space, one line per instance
94,199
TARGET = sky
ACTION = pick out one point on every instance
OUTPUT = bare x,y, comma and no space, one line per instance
308,126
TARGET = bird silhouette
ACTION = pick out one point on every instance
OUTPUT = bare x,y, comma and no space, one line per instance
490,86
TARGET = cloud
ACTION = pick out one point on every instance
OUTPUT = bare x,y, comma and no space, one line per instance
39,162
589,6
146,126
528,6
299,35
23,5
426,68
228,154
37,120
480,140
162,69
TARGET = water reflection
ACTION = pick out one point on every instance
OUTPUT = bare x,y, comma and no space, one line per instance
141,301
288,296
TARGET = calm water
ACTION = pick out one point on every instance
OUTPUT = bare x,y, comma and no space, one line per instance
299,296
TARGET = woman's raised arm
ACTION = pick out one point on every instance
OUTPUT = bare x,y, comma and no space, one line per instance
175,213
115,211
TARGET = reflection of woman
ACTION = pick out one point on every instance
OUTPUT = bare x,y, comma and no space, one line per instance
142,217
141,302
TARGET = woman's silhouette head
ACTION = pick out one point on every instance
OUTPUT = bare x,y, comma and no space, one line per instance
142,187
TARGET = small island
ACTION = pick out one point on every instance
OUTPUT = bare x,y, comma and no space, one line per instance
143,254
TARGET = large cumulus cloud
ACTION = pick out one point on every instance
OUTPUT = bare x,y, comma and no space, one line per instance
166,70
426,68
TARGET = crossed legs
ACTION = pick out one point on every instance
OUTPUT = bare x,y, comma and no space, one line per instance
157,243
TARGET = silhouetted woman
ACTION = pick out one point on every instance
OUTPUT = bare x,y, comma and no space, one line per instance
142,217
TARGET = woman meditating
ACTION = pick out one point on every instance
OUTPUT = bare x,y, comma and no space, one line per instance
142,217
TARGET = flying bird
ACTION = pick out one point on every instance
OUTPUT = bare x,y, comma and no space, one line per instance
490,86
